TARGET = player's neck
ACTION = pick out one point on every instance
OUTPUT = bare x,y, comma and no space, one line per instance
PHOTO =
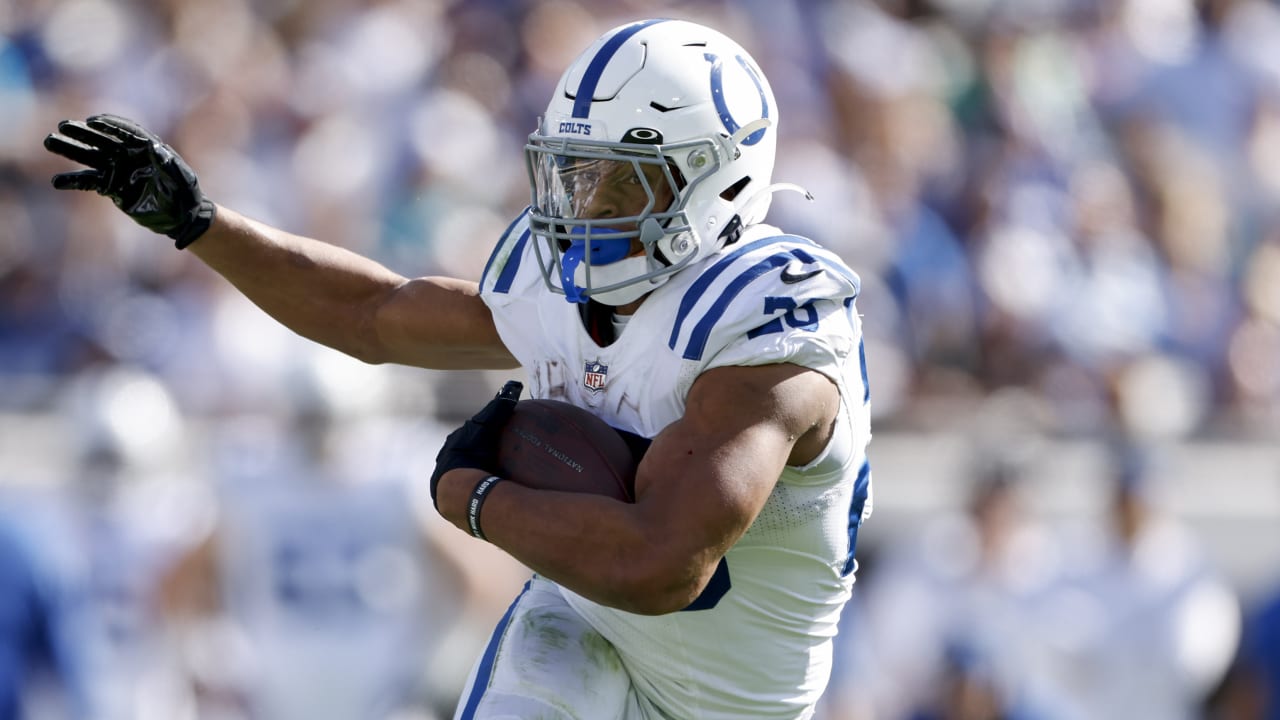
630,308
604,323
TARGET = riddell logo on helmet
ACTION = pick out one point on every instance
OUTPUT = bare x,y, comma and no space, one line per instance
575,128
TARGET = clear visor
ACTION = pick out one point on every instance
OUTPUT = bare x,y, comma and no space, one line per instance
597,204
606,194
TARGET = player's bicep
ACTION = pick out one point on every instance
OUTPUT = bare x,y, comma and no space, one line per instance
709,473
438,322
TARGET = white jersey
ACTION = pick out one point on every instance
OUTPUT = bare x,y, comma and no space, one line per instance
757,642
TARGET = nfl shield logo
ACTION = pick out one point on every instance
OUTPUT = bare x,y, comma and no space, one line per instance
594,375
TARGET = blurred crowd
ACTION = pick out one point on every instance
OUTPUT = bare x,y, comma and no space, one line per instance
1068,208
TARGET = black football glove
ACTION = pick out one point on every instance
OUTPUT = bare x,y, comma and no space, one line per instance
142,175
475,444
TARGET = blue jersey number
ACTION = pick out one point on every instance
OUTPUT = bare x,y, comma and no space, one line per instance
803,316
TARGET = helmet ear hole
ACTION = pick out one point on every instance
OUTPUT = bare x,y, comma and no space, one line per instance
732,230
732,191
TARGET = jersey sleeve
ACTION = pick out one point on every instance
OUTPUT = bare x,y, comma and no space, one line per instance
512,268
513,288
781,299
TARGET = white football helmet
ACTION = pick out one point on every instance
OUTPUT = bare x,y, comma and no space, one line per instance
660,139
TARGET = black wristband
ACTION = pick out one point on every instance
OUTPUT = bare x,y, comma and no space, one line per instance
478,495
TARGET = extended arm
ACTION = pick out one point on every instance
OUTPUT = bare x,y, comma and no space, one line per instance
699,488
320,291
351,303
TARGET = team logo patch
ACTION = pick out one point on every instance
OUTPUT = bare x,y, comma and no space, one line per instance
576,127
594,375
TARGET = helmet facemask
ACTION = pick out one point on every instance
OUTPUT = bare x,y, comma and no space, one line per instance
610,218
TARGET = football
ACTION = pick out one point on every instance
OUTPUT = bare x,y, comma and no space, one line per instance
552,445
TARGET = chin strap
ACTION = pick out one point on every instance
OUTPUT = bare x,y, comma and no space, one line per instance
568,266
732,230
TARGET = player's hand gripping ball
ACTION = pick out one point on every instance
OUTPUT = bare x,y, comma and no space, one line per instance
475,444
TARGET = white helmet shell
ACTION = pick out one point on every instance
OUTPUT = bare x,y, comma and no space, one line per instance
686,102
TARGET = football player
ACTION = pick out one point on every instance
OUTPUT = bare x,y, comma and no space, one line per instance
640,283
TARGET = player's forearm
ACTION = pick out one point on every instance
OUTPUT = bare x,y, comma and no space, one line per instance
594,546
597,547
318,290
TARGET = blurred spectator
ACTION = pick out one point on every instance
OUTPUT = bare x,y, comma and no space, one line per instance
991,568
1263,653
1145,627
322,591
1253,351
1251,688
965,690
36,676
105,532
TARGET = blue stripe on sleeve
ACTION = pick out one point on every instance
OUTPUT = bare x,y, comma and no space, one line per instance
502,239
587,88
699,287
702,331
512,265
485,671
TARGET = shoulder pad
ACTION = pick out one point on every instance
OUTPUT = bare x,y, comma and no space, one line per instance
783,280
508,258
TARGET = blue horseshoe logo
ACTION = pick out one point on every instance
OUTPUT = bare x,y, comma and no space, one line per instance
717,96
